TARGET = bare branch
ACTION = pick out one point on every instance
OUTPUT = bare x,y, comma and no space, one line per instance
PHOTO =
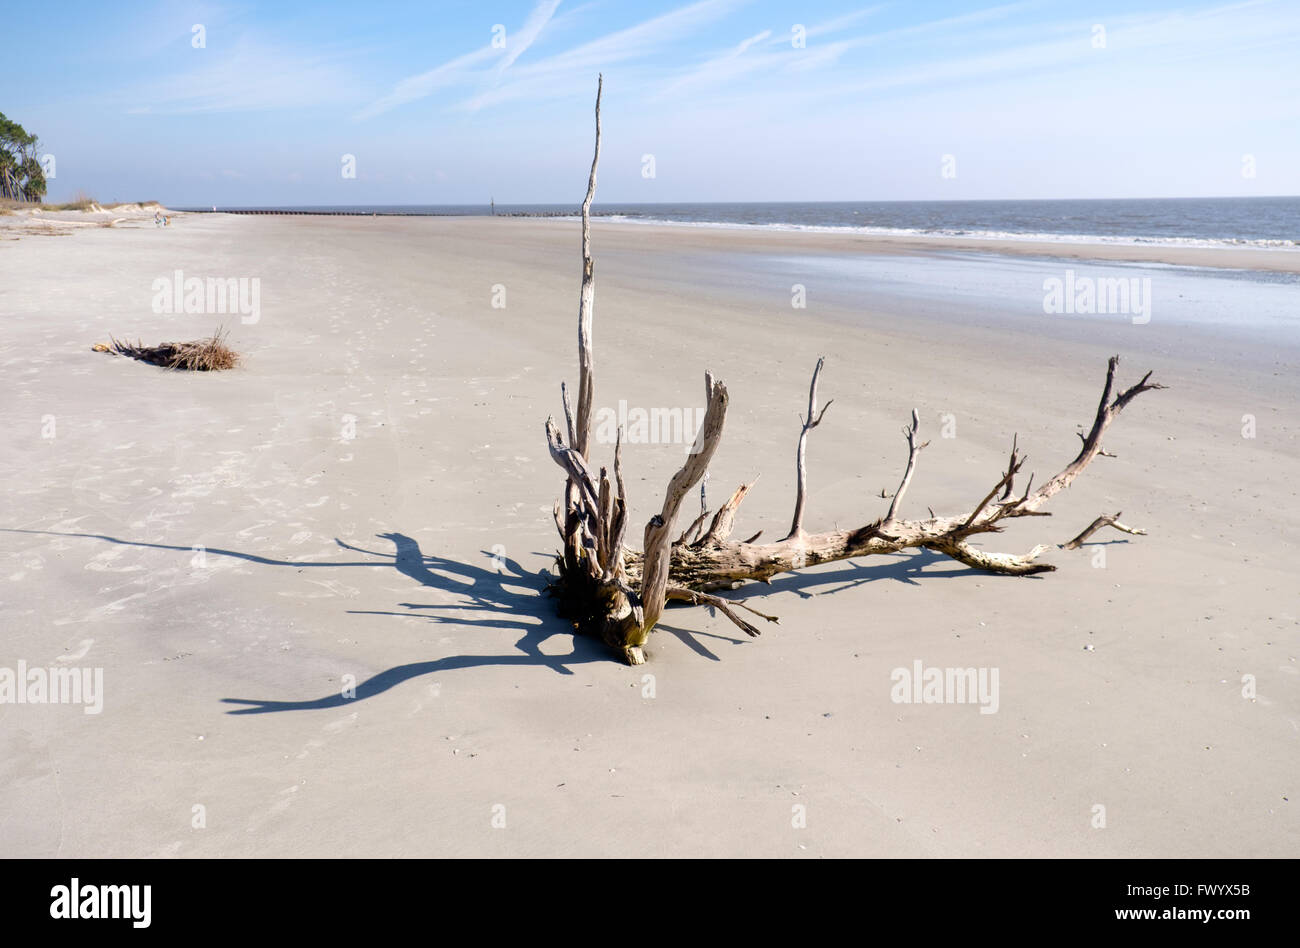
615,568
724,520
1100,451
693,530
568,413
1013,466
696,598
1011,475
604,522
571,500
704,481
1102,521
695,525
812,421
618,465
658,532
1005,563
913,449
586,298
1107,411
572,462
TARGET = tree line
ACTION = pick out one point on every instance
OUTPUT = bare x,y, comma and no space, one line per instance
21,174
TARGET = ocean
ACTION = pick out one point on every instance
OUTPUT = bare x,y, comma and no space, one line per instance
1266,222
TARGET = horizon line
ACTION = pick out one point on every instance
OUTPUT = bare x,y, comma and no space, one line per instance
376,204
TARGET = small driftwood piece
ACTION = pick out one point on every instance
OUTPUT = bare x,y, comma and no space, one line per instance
1105,520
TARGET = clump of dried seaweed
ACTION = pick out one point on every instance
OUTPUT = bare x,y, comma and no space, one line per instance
200,355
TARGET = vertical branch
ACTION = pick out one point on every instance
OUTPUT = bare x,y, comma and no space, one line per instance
568,412
658,532
614,569
582,439
1011,474
811,422
704,481
913,449
572,520
605,523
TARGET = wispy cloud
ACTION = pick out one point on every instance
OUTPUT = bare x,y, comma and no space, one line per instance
830,53
728,66
425,84
252,75
840,22
470,68
1138,40
518,44
626,45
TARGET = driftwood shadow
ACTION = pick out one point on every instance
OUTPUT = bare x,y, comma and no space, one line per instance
526,609
484,589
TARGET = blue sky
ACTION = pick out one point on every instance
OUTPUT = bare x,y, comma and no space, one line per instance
1022,96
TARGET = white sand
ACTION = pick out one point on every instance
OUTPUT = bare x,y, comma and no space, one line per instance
486,699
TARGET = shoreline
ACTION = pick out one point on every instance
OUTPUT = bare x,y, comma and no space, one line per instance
755,237
1261,254
891,233
1273,259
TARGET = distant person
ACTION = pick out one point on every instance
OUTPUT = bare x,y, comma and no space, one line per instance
157,218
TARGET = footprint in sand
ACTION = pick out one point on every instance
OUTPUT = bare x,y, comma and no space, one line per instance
310,746
287,799
333,587
335,726
434,690
94,615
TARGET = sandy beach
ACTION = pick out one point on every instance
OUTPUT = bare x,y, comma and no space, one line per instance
367,502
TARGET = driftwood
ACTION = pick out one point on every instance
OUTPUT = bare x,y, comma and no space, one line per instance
618,594
1105,520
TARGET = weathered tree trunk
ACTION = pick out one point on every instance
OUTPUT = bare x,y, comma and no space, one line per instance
618,595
